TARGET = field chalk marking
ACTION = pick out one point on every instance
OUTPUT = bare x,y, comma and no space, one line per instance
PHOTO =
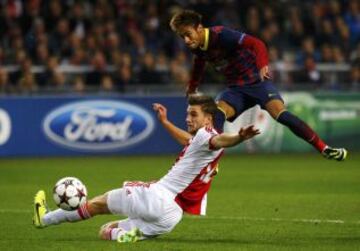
331,221
244,218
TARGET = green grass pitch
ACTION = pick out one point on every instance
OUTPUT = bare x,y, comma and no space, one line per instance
257,202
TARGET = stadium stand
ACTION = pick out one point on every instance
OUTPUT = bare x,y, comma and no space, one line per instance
127,46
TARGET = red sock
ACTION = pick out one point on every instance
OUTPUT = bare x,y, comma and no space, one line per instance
301,129
317,143
83,211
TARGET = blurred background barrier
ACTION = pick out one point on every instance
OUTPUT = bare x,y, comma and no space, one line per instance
59,126
336,118
88,125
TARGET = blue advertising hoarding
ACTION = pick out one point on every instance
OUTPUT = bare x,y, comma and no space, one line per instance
86,125
63,126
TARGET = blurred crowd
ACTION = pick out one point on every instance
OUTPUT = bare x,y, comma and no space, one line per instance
107,46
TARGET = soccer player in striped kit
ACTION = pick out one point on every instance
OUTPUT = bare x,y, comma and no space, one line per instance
243,61
155,208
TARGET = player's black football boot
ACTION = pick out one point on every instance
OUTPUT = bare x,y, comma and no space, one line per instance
338,154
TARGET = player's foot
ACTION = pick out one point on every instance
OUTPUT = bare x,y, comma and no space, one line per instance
338,154
132,236
40,209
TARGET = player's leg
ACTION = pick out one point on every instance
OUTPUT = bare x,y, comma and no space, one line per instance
43,217
132,230
231,103
277,110
120,203
152,211
224,111
122,231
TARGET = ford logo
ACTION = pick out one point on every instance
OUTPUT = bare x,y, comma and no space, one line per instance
98,125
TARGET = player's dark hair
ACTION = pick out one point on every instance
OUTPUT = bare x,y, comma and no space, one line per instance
207,104
185,17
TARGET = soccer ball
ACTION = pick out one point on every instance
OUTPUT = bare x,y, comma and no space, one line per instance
69,193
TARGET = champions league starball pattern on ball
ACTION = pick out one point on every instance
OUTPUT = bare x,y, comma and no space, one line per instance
69,193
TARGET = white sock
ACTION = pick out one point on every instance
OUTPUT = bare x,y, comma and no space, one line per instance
58,216
116,232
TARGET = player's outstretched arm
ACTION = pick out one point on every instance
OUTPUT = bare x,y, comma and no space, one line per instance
262,58
228,140
180,135
196,75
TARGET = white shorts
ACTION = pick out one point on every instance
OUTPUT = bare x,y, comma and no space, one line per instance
150,207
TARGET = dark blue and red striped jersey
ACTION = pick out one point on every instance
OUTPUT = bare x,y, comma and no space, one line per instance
238,56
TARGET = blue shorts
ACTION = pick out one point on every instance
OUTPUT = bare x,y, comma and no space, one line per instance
242,98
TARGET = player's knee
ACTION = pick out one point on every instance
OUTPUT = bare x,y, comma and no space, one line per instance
98,205
275,107
227,109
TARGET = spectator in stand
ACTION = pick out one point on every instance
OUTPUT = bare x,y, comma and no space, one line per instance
78,22
78,31
59,38
275,60
147,73
27,83
296,31
122,77
353,80
5,85
179,69
151,29
59,82
343,35
78,57
42,54
327,57
253,21
112,44
326,54
2,56
44,79
335,80
78,85
34,36
308,49
99,64
53,13
107,84
228,16
309,77
74,44
352,19
162,68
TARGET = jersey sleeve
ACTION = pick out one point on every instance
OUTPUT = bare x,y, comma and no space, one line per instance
203,138
197,72
230,39
256,45
235,40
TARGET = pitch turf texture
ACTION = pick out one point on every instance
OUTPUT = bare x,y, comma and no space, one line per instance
257,202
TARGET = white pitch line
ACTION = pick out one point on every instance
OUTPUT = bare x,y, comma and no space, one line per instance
14,211
331,221
240,218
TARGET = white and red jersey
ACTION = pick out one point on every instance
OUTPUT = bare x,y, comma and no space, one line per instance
190,177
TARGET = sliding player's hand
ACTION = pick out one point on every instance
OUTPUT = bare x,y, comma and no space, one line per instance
248,132
161,111
265,73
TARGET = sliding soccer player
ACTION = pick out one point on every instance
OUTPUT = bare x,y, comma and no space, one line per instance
155,208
